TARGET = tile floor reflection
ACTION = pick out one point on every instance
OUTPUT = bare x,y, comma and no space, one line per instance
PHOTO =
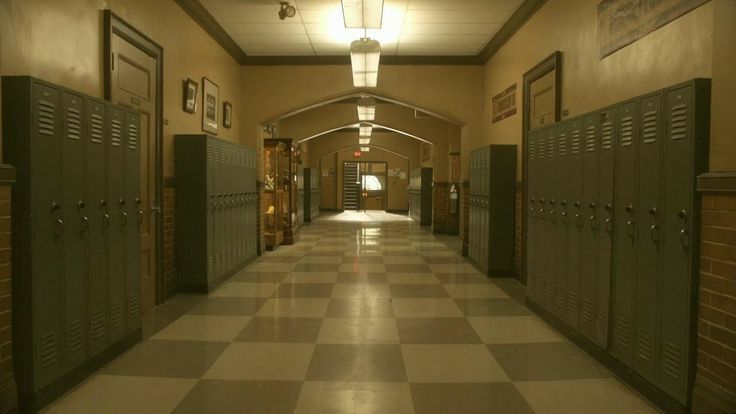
357,317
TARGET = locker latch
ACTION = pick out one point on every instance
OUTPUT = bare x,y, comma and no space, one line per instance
140,211
609,220
684,245
578,219
552,212
592,218
564,212
83,220
654,229
630,231
105,215
58,223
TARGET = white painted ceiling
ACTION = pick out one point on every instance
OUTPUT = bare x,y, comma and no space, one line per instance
410,27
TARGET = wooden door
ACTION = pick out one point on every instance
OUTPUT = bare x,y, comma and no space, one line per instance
133,83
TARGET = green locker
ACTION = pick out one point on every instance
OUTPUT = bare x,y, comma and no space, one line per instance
551,258
531,222
211,205
625,238
608,135
575,228
95,160
75,230
560,220
132,220
590,231
542,198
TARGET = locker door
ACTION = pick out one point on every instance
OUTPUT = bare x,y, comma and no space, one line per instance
591,215
550,224
561,220
625,238
574,235
647,216
133,220
541,240
75,230
116,230
48,227
95,159
608,135
531,214
211,206
677,290
471,205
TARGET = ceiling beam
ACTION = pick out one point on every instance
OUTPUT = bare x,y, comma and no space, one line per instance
512,25
199,14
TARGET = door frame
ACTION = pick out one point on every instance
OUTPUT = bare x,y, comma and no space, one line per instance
385,179
551,63
113,24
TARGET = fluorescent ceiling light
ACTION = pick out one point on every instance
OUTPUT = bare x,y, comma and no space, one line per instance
366,130
366,109
362,14
364,140
335,33
365,55
365,149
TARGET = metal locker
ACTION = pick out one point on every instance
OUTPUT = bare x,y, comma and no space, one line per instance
132,219
591,229
211,208
115,221
541,247
74,237
561,220
647,229
574,230
686,152
624,235
531,225
608,135
550,186
95,160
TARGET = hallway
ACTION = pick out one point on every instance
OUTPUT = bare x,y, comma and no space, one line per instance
356,317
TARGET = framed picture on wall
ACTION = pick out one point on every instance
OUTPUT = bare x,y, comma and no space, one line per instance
227,114
210,106
190,96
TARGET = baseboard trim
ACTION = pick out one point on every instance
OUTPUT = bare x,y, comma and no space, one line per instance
8,394
209,287
648,390
712,400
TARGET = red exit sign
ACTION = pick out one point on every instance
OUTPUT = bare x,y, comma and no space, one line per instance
357,154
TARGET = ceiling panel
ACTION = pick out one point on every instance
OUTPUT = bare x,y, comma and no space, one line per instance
410,27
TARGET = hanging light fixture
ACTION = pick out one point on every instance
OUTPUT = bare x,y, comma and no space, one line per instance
364,140
365,149
366,129
366,109
362,14
365,55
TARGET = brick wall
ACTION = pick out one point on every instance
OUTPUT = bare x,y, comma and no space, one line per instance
169,241
717,311
464,215
518,232
444,221
8,389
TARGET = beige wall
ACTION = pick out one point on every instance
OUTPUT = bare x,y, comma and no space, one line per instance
61,42
723,107
677,52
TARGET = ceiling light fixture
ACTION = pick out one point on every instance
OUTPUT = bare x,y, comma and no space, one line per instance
365,149
364,140
362,14
366,130
287,10
365,55
366,109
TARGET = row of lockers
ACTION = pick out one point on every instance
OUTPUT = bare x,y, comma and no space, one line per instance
312,193
612,229
420,195
76,217
491,202
216,210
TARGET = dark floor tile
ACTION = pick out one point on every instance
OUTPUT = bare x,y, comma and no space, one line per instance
304,290
263,329
500,397
360,363
445,260
326,253
545,362
512,287
237,397
491,307
459,278
407,268
363,259
436,331
315,267
350,277
159,358
400,253
279,259
259,277
163,315
229,306
418,291
360,308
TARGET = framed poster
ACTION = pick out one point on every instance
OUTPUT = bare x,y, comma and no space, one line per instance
504,104
190,96
210,98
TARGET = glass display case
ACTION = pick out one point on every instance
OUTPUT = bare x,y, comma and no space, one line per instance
280,162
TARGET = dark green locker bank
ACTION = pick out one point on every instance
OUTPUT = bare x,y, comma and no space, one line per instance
492,206
420,195
312,193
75,261
628,254
216,210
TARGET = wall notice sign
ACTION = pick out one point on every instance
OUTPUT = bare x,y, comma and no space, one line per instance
504,104
357,154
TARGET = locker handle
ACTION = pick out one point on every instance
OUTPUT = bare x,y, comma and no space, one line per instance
138,201
553,216
593,223
103,203
124,216
653,211
682,215
564,203
105,221
577,204
683,240
59,226
564,217
552,202
629,209
85,225
531,212
609,226
55,206
140,217
652,231
608,207
578,221
81,205
591,206
541,212
630,229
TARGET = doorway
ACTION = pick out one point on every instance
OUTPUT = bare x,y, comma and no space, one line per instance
370,180
134,78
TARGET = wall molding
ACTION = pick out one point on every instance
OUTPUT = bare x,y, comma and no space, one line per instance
509,29
717,183
199,14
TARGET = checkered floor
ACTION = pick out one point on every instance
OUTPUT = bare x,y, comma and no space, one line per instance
372,317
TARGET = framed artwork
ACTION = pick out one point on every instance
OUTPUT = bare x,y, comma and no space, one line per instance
227,114
210,106
190,96
504,104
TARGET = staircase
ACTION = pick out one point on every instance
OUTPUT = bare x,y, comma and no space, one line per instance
350,189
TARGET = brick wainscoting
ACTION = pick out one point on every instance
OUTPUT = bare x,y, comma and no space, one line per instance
8,388
169,241
518,233
715,383
444,219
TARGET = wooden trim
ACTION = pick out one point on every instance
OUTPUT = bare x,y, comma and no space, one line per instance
199,14
717,183
169,182
115,25
7,174
509,29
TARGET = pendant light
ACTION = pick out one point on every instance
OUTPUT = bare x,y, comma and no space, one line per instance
364,140
366,129
365,55
366,109
365,149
